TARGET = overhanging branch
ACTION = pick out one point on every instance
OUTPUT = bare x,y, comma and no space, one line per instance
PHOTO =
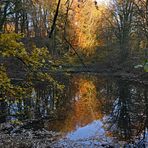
54,19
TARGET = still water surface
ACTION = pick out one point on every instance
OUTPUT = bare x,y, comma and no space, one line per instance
91,109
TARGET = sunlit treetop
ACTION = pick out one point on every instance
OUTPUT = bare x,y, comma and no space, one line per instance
84,25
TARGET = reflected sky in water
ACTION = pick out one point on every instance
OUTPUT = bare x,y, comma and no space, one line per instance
105,109
91,107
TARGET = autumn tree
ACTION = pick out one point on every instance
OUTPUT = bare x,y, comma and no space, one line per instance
30,62
5,11
83,25
142,16
122,11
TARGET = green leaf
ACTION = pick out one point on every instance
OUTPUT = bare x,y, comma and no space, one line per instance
146,67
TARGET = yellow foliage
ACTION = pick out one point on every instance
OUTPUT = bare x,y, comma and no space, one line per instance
33,58
84,23
8,89
5,81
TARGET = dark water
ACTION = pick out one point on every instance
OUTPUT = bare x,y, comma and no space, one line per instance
89,107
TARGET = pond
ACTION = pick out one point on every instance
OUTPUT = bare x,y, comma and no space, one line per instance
91,111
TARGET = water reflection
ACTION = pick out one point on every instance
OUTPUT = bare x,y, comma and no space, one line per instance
114,109
85,106
120,115
3,111
124,105
128,119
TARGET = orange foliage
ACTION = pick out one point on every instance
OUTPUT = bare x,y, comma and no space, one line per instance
9,27
86,107
84,23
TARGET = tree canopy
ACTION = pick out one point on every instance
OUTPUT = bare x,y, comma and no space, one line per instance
37,37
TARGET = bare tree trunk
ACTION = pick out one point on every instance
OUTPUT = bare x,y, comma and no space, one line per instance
16,22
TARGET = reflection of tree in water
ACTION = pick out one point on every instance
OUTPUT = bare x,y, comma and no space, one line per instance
84,99
43,101
144,128
124,121
3,107
146,109
82,106
85,106
106,91
129,116
3,111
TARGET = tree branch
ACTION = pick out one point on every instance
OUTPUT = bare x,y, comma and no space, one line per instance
81,60
54,19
